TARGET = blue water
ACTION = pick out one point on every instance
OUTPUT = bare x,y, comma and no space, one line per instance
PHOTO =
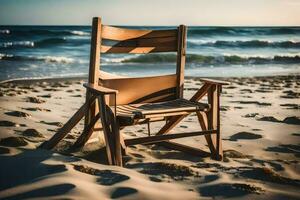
63,51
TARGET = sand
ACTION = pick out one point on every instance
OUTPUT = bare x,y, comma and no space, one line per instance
260,131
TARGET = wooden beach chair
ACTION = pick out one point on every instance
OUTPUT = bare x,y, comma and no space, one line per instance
122,101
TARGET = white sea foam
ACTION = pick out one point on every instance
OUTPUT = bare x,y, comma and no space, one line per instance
18,43
80,33
5,31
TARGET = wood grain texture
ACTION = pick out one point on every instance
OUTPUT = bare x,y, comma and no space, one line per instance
94,66
120,34
137,50
181,54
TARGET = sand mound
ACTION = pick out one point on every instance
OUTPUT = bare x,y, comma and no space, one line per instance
244,136
18,114
13,142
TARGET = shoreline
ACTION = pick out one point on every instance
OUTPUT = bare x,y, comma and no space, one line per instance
79,78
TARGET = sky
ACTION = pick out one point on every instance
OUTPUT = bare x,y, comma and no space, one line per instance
152,12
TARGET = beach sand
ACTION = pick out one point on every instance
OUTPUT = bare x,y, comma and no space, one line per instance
260,128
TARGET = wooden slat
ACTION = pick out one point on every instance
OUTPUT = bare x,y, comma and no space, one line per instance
214,122
136,50
160,138
99,89
147,87
146,110
115,33
180,65
94,66
201,92
213,81
167,114
144,42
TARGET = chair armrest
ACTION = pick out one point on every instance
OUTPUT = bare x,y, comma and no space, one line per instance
100,89
213,81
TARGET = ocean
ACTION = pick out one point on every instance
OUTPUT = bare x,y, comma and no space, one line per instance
63,51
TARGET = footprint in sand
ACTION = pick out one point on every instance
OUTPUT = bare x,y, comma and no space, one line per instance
122,192
7,123
18,114
286,148
253,102
250,115
244,136
228,190
4,150
52,89
265,174
292,120
32,133
76,95
291,106
13,141
177,172
235,154
34,100
288,120
37,109
45,96
106,177
155,179
269,119
59,124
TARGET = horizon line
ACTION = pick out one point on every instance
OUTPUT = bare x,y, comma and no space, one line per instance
155,25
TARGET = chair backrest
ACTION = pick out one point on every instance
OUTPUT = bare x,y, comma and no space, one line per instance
109,39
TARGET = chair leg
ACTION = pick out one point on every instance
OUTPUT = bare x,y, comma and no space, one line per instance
86,133
213,117
117,143
106,130
50,144
202,118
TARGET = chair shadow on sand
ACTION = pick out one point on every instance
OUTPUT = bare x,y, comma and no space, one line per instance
28,167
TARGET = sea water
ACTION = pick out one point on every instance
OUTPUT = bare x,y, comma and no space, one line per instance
63,51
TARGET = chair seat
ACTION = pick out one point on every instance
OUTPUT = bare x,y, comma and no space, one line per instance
129,114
